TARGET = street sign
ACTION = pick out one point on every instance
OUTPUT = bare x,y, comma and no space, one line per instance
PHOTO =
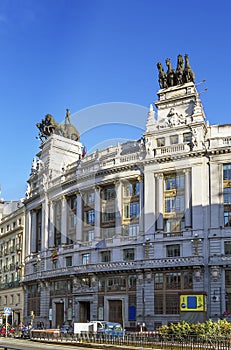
7,310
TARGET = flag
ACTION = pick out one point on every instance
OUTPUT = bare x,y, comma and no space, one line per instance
84,151
54,254
101,244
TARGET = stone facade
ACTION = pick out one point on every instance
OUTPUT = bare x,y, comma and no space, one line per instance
122,233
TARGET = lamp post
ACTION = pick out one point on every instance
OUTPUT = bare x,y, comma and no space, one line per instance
195,241
147,246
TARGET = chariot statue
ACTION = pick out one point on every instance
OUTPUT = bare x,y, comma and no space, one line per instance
49,126
183,73
179,70
170,73
188,73
162,76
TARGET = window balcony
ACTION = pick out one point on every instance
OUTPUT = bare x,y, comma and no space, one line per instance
172,149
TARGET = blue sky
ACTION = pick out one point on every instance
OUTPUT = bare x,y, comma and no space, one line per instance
82,54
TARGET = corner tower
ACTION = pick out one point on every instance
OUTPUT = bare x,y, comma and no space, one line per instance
179,112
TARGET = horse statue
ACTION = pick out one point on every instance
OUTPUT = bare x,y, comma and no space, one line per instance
188,75
179,70
46,127
67,130
162,76
170,73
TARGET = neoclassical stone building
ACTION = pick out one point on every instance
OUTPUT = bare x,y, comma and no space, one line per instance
136,233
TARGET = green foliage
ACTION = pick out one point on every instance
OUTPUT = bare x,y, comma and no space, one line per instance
206,330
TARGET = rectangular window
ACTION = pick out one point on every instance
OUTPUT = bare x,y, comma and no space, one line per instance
173,139
108,213
131,230
107,232
174,225
91,217
174,204
227,246
55,263
90,196
108,193
106,256
131,189
160,142
68,261
131,210
116,283
173,280
227,195
175,182
227,172
172,250
86,259
90,235
129,254
187,137
159,280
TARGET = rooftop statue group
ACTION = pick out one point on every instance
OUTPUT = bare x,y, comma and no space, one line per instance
183,73
48,126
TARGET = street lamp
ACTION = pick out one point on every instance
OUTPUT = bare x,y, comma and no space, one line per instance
147,246
195,241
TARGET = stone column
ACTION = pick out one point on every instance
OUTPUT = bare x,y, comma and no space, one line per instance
33,231
51,226
44,238
216,207
187,199
28,234
97,212
64,220
118,208
141,219
160,202
79,218
149,202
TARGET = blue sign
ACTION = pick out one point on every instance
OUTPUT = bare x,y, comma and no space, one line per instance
7,310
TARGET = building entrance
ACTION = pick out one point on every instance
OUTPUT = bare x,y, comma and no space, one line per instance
116,311
59,315
84,311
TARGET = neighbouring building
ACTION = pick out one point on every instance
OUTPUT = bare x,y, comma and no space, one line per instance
12,215
134,233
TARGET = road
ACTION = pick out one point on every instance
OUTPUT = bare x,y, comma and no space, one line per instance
20,344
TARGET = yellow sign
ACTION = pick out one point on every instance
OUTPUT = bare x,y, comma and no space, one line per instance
192,302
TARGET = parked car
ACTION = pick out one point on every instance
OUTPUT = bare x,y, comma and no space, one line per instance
111,328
